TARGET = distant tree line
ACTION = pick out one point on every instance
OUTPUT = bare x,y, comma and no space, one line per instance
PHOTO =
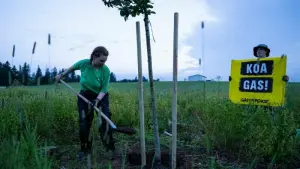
114,79
24,76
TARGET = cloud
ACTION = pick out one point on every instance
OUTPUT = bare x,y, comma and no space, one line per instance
77,27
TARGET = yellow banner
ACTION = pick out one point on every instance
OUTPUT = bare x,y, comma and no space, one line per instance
258,82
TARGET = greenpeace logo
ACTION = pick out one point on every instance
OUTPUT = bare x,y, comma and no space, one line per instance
254,100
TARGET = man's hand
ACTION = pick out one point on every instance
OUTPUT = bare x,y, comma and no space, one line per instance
63,74
97,102
57,78
100,96
286,78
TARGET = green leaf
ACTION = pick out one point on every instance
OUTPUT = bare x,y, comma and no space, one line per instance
133,14
149,12
131,7
149,6
126,17
122,13
134,11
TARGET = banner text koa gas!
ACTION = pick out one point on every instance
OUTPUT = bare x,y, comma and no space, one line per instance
258,82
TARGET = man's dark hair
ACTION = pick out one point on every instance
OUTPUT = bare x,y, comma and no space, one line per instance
98,51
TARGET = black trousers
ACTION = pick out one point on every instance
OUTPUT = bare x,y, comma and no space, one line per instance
86,116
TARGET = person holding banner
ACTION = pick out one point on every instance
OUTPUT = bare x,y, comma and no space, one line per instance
253,79
263,51
94,81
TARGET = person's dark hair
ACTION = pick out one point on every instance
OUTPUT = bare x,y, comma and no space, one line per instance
100,50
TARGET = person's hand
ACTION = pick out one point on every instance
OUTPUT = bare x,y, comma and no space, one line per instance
100,96
57,78
283,55
97,102
286,78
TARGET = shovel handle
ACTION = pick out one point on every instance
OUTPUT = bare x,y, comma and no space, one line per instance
88,102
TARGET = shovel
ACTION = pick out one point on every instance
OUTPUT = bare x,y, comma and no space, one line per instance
125,130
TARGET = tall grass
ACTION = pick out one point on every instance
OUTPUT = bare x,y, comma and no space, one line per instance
244,133
23,152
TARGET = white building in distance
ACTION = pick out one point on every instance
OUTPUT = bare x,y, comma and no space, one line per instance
197,77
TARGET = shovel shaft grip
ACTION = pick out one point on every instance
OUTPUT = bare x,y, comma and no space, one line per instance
94,106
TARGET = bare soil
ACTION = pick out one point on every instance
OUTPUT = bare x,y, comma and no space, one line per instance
134,157
130,156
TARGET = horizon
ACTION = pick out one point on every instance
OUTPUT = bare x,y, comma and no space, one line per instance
76,27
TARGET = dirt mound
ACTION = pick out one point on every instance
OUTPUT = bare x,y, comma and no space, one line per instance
134,157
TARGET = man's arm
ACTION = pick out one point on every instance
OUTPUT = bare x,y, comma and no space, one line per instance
104,88
72,68
100,96
285,78
66,72
63,74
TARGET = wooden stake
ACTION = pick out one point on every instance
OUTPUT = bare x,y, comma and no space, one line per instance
141,93
9,78
174,96
39,81
3,103
23,78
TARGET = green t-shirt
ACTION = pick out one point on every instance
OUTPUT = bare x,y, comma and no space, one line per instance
93,79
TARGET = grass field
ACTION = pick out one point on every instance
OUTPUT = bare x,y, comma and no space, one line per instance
213,133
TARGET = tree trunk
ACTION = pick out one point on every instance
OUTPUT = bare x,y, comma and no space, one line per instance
157,160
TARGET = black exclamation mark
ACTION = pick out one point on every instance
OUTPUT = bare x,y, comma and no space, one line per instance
266,85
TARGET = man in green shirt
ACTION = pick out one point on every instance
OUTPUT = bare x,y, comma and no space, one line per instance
94,82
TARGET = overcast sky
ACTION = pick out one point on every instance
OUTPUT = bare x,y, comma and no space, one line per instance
232,29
